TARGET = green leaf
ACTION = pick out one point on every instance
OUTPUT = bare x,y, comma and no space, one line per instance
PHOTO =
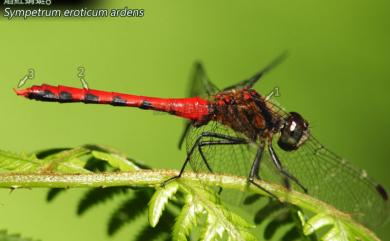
248,236
96,165
128,211
66,161
116,161
219,220
149,233
202,209
341,230
159,200
71,166
315,223
292,234
186,220
268,210
48,152
18,162
237,219
276,224
212,231
250,199
162,230
96,196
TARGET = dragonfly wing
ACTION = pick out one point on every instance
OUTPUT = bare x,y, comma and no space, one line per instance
330,178
200,85
335,181
248,83
225,158
229,159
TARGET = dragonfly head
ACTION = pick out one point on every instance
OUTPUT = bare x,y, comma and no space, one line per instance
294,132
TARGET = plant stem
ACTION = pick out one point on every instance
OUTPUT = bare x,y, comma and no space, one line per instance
153,178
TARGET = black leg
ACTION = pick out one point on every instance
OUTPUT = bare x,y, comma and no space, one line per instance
225,140
285,173
218,142
254,172
198,142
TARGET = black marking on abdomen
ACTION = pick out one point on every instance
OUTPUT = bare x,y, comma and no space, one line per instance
146,105
65,96
90,98
382,192
45,95
118,101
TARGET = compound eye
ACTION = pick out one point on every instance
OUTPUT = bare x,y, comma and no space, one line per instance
293,133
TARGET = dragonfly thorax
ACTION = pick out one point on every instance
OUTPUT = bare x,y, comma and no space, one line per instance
245,111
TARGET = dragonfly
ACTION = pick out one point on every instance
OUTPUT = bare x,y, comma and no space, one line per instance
237,130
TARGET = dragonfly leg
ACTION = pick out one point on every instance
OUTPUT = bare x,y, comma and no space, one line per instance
180,173
254,172
225,139
217,142
285,173
203,156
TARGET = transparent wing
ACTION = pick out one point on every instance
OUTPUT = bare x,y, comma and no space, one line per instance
327,176
248,83
200,85
331,178
335,181
232,159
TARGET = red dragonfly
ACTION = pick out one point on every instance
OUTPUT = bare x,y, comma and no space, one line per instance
236,130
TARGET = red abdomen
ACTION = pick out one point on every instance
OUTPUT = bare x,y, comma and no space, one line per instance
194,108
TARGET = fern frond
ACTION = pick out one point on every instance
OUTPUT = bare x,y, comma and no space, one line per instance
96,165
159,200
65,161
186,220
204,203
339,230
18,162
276,216
294,234
116,161
201,213
48,152
269,210
128,211
162,230
96,196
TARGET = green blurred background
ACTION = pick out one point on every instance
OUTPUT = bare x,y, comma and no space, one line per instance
337,76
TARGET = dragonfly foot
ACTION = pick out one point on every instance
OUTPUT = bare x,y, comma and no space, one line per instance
252,181
164,183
